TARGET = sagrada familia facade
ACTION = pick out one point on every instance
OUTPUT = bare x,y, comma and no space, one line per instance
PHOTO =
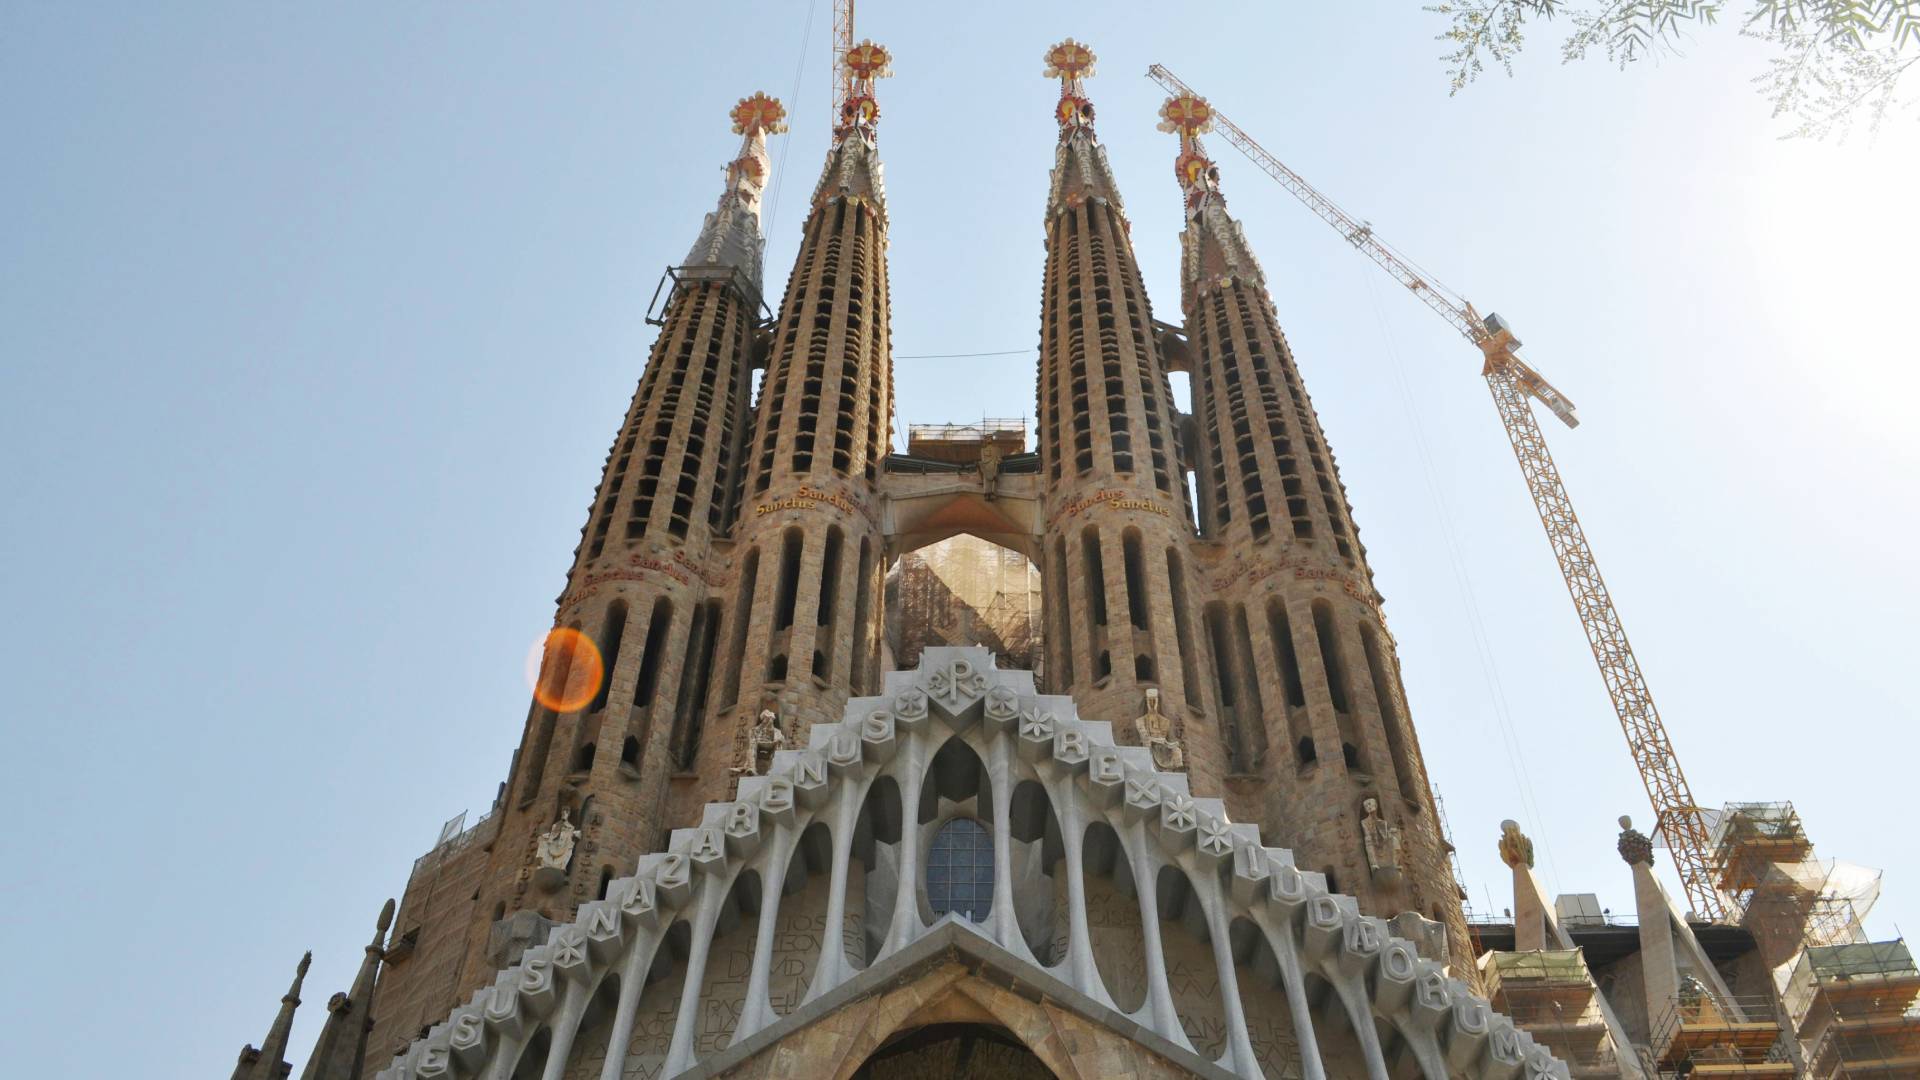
737,839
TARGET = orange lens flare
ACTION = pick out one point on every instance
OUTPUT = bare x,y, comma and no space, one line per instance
566,670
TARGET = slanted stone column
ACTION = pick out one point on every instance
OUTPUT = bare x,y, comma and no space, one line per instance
1658,969
1529,907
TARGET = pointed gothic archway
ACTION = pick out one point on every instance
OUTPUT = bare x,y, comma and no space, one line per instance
959,1051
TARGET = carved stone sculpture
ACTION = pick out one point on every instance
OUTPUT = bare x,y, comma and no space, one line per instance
1695,1002
1156,734
1381,838
1515,848
1635,848
553,851
766,737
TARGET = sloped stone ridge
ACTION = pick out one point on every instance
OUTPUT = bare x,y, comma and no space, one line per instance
670,973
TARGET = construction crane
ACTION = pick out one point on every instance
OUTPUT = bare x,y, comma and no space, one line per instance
842,41
1513,382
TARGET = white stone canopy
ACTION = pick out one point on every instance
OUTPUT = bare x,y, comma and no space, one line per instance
1336,994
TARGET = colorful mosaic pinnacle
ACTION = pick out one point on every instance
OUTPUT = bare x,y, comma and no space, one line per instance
759,113
865,63
1071,63
1190,116
1187,114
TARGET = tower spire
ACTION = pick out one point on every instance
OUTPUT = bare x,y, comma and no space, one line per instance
269,1061
1072,63
853,163
731,237
1320,715
341,1052
808,554
1080,169
621,689
1213,250
1122,628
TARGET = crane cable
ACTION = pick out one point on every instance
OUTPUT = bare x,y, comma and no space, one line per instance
962,355
793,109
1463,578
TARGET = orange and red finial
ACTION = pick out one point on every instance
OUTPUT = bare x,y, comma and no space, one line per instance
1190,116
1071,62
759,113
755,118
865,63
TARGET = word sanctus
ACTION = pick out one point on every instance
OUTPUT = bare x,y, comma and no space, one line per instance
807,499
1118,500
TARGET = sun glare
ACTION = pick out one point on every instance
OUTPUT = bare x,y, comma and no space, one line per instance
564,669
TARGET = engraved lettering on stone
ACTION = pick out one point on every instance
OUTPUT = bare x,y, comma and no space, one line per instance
742,820
843,749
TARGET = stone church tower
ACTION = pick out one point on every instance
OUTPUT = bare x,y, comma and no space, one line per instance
618,709
1307,681
1118,529
807,550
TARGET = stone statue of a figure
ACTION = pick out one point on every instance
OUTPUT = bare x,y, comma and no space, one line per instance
766,737
1381,838
555,848
990,456
1156,734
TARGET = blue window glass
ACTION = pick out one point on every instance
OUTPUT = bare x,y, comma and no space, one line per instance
960,870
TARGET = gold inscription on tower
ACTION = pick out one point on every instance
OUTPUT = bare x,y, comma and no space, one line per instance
1118,500
807,498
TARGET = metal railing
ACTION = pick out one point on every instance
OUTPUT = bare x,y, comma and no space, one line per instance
987,428
452,846
1476,917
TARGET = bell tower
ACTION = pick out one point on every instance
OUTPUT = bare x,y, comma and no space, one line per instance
1116,546
807,558
624,671
1309,682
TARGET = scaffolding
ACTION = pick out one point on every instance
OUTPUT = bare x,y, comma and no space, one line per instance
1857,1008
1551,995
965,444
965,591
1749,840
1850,1006
1698,1036
1540,968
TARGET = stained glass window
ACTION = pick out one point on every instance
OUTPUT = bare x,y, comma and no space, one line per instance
960,870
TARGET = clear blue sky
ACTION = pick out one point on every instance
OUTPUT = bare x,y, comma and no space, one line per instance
316,323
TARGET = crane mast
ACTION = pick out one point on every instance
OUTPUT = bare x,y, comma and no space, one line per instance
842,41
1513,382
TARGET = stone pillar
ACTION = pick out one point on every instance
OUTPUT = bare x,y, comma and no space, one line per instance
1529,907
1658,966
